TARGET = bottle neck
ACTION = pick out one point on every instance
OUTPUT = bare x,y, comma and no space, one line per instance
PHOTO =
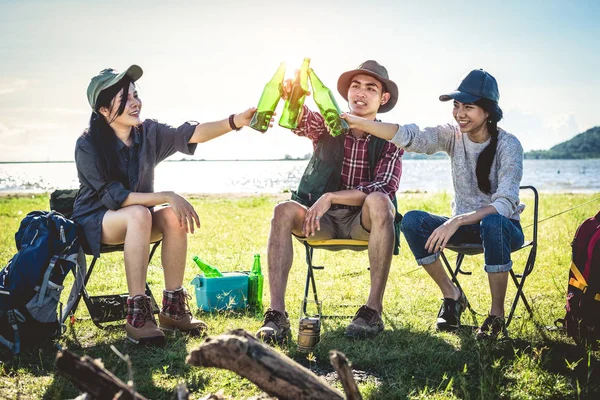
256,266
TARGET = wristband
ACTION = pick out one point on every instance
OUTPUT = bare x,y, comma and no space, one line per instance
232,124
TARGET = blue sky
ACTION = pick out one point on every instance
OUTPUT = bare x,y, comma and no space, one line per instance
204,60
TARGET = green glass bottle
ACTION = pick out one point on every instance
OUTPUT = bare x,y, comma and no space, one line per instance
208,270
327,106
290,116
255,286
268,101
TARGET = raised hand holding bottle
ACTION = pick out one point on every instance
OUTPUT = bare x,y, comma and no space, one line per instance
290,117
268,101
327,106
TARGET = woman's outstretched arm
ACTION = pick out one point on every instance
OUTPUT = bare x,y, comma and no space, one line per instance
210,130
384,130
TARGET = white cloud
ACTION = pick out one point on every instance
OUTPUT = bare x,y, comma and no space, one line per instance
7,133
13,85
34,141
537,132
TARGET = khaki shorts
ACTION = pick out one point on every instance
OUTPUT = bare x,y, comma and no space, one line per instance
341,222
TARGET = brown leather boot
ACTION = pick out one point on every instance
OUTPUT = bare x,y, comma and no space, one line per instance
176,314
141,326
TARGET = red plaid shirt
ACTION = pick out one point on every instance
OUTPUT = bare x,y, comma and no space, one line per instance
355,168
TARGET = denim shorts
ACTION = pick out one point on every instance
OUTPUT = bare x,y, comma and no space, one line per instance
498,235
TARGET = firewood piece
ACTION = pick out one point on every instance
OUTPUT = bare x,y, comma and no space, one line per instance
215,396
276,374
90,376
182,392
342,366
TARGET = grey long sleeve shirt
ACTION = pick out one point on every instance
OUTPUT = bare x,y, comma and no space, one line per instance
505,175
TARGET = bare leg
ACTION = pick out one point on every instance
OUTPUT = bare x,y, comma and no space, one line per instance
130,225
287,218
441,278
498,282
165,225
378,217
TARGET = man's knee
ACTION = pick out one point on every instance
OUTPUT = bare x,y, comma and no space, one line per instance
285,213
379,207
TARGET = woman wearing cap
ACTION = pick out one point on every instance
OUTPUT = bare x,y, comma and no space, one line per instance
115,159
487,167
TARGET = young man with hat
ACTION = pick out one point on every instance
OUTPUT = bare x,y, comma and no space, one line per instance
357,202
487,167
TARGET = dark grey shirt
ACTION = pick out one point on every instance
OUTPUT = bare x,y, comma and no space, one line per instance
152,143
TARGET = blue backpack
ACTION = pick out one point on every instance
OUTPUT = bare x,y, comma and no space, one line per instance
31,282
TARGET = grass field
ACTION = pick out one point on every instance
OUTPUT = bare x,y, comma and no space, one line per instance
408,360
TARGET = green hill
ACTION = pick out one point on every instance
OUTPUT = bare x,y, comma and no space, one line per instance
584,145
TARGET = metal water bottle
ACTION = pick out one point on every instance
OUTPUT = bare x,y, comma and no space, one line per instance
309,333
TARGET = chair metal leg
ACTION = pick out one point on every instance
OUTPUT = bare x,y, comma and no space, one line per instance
519,284
83,292
455,272
155,308
310,280
152,251
88,299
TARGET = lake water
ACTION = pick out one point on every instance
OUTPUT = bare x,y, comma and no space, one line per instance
277,176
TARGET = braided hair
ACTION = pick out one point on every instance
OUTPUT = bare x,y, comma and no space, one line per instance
486,158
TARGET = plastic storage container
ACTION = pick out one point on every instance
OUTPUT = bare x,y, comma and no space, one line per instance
229,292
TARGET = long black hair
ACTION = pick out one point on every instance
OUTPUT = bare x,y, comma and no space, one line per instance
102,135
486,158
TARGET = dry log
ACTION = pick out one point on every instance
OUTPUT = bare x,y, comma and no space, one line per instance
90,376
182,392
276,374
215,396
342,367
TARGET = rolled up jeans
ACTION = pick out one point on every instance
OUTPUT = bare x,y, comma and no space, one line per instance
498,235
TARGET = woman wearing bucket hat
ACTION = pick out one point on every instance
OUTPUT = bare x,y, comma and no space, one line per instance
487,167
347,192
115,159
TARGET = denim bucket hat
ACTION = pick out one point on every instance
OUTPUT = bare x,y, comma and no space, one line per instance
476,85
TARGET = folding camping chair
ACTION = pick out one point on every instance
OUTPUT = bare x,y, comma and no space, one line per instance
103,308
469,249
330,245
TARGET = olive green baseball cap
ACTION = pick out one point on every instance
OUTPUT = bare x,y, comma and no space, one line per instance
107,78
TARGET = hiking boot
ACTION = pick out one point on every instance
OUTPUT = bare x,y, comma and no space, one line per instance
275,328
449,317
176,314
367,323
491,328
141,326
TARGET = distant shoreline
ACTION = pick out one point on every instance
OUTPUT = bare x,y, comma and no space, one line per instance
275,159
277,196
